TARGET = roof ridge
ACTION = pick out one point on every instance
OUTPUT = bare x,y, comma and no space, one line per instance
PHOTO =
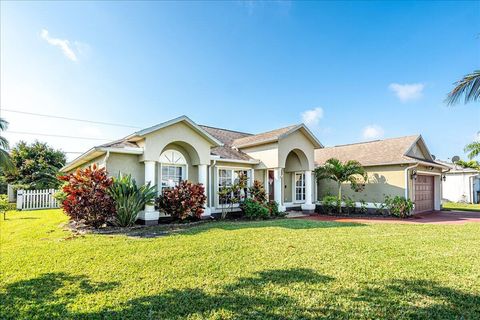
371,141
289,126
236,131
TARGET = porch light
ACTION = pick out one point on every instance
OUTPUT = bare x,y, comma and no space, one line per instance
444,177
414,175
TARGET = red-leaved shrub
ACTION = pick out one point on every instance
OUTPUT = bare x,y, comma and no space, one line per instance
183,201
87,199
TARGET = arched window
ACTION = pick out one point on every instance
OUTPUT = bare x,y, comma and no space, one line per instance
173,169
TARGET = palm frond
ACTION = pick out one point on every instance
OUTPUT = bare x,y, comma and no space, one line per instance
3,124
5,161
473,149
469,87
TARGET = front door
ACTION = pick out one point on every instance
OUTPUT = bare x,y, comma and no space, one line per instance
424,194
271,185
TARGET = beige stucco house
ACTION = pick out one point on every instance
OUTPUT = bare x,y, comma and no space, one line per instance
396,167
282,159
180,149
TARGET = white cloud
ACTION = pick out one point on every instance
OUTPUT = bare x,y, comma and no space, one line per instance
407,91
373,132
312,117
63,44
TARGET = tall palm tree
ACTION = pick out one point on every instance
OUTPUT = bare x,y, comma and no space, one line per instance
469,87
348,171
5,161
473,149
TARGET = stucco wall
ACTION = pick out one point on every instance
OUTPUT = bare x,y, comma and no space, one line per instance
126,164
266,153
382,180
458,187
181,134
296,140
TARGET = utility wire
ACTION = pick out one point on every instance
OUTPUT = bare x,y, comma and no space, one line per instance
57,135
68,118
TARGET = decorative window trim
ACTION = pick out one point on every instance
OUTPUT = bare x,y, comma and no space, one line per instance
177,160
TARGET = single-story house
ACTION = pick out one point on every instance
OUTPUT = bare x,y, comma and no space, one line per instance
180,149
396,167
460,184
282,159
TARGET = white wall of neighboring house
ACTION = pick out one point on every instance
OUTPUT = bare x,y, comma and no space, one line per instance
460,187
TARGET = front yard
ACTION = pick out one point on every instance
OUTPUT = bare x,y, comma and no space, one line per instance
278,269
461,206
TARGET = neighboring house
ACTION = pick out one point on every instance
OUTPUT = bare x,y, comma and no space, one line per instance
179,149
460,184
396,167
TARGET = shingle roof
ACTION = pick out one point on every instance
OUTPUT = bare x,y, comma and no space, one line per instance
262,137
388,151
227,137
455,168
120,144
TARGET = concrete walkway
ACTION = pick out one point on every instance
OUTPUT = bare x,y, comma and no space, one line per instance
434,217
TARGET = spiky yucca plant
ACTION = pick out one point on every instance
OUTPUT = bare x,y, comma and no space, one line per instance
130,199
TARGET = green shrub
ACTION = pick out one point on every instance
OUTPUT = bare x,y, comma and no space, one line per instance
257,192
363,207
329,204
349,205
273,208
399,206
253,209
130,199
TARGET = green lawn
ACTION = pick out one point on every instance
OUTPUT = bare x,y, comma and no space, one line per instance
281,269
461,206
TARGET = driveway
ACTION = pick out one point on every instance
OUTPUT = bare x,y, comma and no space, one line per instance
434,217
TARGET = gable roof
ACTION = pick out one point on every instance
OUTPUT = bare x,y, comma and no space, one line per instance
377,152
275,135
168,123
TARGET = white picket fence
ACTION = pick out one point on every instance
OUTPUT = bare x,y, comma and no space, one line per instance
36,199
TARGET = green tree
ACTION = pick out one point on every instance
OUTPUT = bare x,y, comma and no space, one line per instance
473,149
469,164
468,87
5,161
348,172
36,166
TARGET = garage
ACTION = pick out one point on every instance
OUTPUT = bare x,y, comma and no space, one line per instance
424,194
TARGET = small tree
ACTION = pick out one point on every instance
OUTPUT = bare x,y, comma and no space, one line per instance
87,198
5,160
350,171
36,166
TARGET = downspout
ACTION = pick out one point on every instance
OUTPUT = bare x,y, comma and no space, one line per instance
106,158
210,183
406,179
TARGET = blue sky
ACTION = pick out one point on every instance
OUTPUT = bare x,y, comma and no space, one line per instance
354,71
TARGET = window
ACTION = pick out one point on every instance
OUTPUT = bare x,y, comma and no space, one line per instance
173,169
171,176
229,177
299,187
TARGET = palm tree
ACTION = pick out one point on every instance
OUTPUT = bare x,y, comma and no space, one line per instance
473,149
469,87
5,161
348,171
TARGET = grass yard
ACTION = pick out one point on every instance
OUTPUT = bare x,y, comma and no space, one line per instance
281,269
461,206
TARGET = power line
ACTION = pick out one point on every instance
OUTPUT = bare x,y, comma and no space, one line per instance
69,118
57,135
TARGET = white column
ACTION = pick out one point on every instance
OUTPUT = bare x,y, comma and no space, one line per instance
308,205
202,178
277,189
149,215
